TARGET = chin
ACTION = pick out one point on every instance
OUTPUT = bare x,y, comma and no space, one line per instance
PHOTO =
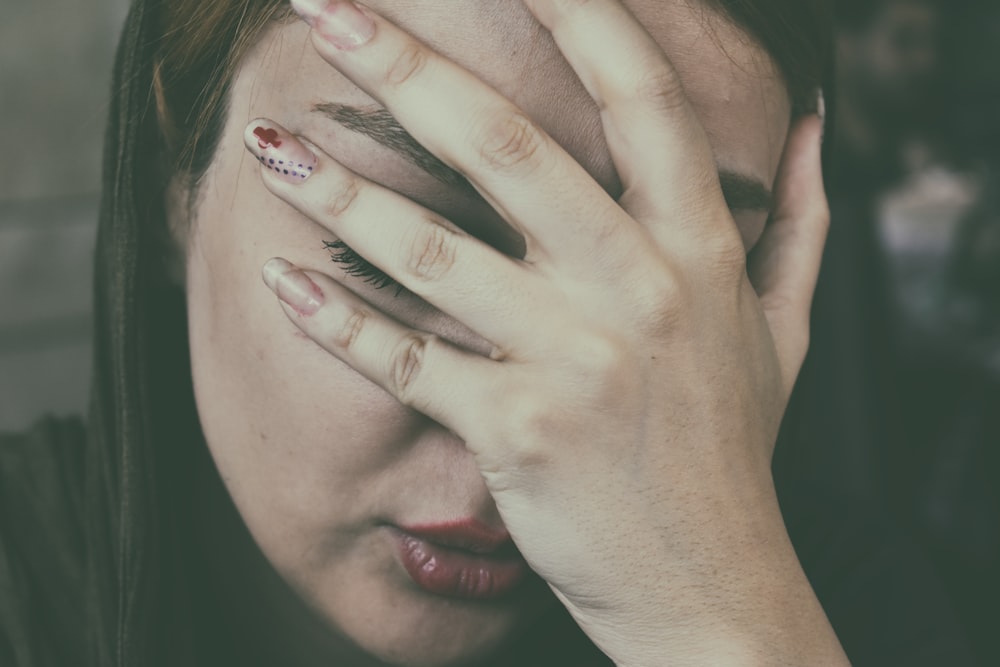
450,647
402,625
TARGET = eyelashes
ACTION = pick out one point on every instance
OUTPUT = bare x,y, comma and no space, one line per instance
355,265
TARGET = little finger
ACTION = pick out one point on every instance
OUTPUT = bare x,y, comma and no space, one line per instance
657,143
420,370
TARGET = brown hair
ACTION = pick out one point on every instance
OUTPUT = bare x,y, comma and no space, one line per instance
201,45
203,42
798,35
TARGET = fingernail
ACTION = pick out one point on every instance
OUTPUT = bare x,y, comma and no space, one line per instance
339,22
293,286
279,151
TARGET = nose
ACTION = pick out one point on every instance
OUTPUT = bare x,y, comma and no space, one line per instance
441,459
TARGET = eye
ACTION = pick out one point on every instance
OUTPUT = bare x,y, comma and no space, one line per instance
355,265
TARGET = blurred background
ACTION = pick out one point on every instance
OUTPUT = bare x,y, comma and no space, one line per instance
53,101
906,356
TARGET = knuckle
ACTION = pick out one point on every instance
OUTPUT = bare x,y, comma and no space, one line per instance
407,64
350,329
716,251
511,140
432,251
663,301
795,308
601,358
530,421
597,353
406,362
606,370
728,255
343,197
660,88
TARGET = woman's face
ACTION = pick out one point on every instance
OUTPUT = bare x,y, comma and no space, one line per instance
323,466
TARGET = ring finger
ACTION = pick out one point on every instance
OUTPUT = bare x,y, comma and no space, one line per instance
419,369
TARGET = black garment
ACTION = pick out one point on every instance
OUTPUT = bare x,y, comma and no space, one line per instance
42,546
883,600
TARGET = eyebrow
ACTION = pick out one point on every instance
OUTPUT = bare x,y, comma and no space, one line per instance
742,192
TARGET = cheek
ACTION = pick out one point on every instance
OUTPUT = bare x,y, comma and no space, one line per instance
295,433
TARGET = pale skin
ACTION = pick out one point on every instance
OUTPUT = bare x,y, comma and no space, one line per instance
610,393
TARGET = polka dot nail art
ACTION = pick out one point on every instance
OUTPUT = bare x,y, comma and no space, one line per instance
279,151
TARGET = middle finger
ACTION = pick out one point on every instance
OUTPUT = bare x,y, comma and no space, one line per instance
531,181
460,275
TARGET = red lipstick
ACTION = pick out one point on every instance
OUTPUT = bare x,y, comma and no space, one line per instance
461,559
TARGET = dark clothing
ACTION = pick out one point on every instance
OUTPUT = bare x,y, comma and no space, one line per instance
881,597
42,546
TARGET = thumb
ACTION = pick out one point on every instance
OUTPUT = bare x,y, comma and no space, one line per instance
784,266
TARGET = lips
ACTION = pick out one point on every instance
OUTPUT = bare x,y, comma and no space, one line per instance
461,559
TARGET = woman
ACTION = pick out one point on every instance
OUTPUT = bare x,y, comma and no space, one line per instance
525,417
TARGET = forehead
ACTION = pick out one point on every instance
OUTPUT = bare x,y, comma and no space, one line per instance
732,83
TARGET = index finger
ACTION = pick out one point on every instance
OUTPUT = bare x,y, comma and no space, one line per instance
531,181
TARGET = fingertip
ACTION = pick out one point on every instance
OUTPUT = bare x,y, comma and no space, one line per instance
800,175
273,269
279,151
257,131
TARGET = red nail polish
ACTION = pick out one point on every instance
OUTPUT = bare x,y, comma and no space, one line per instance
279,151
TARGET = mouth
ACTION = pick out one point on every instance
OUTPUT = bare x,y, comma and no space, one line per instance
460,559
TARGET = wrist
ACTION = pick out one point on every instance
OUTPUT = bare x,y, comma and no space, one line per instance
780,625
742,600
